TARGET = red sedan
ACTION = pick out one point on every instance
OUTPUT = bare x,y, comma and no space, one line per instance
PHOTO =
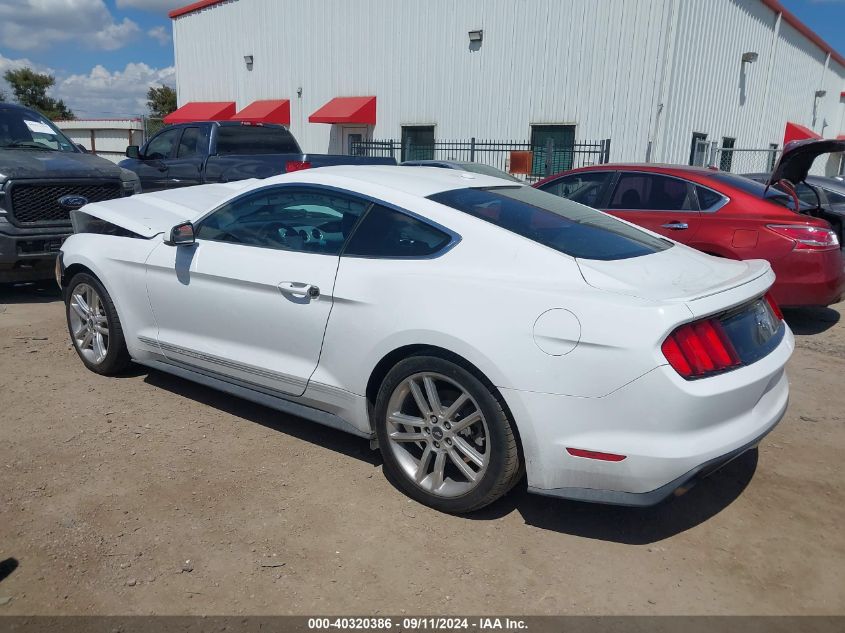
721,214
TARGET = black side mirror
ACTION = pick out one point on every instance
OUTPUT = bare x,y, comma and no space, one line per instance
133,151
181,235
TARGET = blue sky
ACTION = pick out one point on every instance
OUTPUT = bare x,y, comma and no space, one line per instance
825,17
106,53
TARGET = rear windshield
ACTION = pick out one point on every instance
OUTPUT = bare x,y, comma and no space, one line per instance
561,224
758,189
254,139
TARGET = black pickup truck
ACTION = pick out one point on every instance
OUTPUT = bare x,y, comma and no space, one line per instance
43,177
222,151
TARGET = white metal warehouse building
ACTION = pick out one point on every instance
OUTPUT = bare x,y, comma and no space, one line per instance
647,74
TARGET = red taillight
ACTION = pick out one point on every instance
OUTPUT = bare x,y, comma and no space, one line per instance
814,238
605,457
774,306
700,348
296,165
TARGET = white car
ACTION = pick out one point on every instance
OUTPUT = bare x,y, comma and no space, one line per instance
473,328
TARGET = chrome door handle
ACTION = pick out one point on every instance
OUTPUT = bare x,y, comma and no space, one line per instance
675,226
299,289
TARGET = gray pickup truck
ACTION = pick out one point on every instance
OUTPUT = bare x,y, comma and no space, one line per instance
222,151
43,177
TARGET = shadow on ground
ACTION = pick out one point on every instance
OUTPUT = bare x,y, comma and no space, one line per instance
7,567
811,320
29,293
607,523
300,428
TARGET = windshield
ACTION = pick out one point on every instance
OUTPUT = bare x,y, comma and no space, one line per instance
566,226
25,129
759,189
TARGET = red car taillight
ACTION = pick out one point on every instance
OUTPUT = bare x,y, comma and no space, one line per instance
813,238
697,349
296,165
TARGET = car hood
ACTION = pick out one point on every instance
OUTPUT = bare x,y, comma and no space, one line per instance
28,163
678,273
150,214
798,157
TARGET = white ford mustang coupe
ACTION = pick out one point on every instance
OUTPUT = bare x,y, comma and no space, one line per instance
475,329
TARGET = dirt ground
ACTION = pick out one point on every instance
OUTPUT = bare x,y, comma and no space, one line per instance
109,485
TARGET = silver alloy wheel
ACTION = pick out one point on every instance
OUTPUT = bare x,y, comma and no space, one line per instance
438,434
89,324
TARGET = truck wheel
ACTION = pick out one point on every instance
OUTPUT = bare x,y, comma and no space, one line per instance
444,437
94,326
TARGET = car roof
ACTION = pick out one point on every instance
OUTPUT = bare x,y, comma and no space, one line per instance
14,106
657,167
411,180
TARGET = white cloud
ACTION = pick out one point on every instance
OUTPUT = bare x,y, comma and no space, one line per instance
162,6
159,33
35,24
122,93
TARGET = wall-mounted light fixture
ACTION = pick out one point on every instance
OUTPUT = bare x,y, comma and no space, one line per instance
476,36
820,93
248,61
750,57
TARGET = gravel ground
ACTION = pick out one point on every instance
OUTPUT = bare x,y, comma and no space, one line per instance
147,494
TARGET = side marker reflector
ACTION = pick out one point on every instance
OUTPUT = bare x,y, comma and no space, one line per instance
605,457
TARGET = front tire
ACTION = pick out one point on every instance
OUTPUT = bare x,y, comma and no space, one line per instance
94,326
445,439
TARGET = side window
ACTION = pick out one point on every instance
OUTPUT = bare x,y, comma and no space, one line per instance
191,143
161,146
707,199
286,219
584,187
388,233
651,192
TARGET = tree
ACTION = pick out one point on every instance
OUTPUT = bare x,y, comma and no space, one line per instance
161,101
30,89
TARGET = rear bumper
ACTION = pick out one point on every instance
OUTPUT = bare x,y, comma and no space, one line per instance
671,431
29,254
675,488
809,278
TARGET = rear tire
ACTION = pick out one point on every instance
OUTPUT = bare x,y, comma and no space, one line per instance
94,326
445,438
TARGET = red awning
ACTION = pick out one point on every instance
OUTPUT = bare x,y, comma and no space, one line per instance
347,110
268,111
202,111
796,132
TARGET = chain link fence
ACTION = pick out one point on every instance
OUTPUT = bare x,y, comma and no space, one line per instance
734,160
151,127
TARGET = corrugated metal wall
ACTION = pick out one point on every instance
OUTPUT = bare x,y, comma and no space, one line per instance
604,66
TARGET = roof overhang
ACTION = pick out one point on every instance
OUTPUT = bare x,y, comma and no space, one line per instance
194,6
266,111
797,132
361,110
202,111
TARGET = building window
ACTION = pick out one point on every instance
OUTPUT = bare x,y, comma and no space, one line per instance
561,140
698,149
726,156
417,142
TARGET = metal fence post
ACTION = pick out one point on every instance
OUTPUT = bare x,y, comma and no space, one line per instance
606,154
547,163
472,149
